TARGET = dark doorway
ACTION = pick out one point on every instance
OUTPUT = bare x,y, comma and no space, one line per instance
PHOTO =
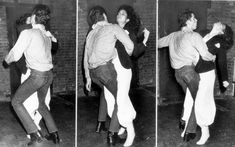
169,89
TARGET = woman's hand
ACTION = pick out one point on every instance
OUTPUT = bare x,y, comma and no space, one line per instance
146,36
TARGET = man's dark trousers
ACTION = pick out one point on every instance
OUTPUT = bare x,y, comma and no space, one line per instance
105,75
187,77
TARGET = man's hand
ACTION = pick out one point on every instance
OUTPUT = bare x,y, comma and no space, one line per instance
225,84
88,84
48,33
5,64
209,57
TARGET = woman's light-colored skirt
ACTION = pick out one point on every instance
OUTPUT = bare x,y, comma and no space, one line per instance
205,108
31,104
125,110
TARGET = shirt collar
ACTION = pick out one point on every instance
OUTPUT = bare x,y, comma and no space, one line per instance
100,23
39,26
186,29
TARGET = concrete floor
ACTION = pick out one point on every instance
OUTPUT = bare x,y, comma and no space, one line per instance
222,131
144,102
12,133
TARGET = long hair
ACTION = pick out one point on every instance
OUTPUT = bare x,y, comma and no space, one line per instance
228,36
134,24
22,19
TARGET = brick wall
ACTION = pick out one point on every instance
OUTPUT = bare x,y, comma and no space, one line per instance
147,63
225,12
82,31
5,77
63,23
146,10
63,26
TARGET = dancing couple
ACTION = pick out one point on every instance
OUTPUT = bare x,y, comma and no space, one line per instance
193,59
31,99
107,63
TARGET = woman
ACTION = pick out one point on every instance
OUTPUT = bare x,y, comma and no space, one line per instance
218,40
130,22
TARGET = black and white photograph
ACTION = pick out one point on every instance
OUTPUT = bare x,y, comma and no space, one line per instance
38,73
116,102
195,60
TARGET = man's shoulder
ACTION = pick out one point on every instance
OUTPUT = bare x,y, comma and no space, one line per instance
193,34
113,26
26,32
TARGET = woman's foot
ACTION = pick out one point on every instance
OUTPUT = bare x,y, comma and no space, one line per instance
121,131
205,135
130,135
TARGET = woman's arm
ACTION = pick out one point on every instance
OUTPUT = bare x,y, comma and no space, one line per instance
139,48
222,64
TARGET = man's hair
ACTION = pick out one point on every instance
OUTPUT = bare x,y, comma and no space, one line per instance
42,14
183,17
96,14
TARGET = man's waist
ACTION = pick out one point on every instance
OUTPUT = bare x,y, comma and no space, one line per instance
95,65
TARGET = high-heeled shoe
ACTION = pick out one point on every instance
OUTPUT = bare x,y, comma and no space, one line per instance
101,127
54,136
130,135
34,138
205,135
181,124
113,139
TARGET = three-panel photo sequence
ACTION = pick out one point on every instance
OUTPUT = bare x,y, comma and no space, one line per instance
117,73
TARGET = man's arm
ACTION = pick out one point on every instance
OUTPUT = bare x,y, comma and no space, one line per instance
201,47
164,41
86,69
123,37
21,44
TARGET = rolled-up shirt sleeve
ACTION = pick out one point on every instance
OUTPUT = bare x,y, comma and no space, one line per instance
199,44
165,41
201,47
123,37
21,45
85,63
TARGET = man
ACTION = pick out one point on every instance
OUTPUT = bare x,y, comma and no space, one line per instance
185,47
99,52
36,46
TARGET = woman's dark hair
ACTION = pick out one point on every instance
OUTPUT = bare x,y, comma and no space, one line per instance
42,13
183,17
134,24
22,20
95,15
228,37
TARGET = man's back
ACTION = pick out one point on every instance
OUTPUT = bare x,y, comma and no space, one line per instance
184,47
100,43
